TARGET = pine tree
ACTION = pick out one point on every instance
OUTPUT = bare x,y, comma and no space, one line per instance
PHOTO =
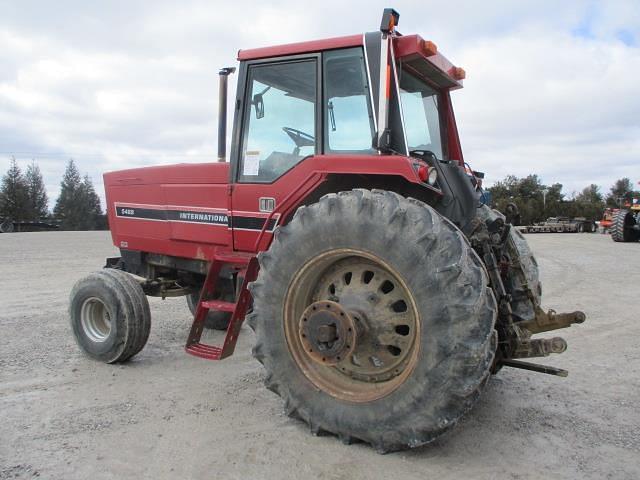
91,204
78,206
37,201
590,194
68,206
13,193
589,203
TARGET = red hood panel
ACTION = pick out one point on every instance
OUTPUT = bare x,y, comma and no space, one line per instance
166,174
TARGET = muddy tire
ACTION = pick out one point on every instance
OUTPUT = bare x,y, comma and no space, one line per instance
622,227
524,282
215,320
412,339
110,316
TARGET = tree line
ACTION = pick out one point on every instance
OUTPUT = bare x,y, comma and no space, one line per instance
23,197
536,202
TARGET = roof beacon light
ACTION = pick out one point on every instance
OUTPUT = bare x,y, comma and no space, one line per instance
390,20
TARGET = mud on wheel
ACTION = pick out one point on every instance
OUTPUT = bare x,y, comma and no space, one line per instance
373,319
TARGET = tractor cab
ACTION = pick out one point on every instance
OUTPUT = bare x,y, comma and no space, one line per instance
369,94
333,99
347,103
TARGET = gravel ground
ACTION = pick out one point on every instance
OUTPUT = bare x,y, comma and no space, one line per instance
169,415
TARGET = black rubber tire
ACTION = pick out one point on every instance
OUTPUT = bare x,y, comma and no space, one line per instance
141,308
525,286
215,320
128,310
621,228
450,288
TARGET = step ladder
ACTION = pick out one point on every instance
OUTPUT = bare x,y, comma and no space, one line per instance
247,268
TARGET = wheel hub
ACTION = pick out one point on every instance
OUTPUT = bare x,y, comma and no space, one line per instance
327,332
351,325
95,319
386,330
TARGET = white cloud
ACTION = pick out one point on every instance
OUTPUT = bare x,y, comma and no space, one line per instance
552,103
550,86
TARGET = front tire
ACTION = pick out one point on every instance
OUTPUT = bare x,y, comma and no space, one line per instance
417,297
110,316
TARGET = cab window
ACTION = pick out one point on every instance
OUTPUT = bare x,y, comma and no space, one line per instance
279,119
420,106
348,117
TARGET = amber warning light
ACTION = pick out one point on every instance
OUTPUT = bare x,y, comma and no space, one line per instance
429,48
458,73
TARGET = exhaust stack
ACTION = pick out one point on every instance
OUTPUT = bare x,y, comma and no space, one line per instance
222,112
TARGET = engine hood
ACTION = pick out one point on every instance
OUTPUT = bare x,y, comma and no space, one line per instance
192,173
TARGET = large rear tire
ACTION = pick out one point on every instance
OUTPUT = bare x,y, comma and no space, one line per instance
110,316
622,227
374,319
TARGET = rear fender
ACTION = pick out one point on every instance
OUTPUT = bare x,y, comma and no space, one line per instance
318,175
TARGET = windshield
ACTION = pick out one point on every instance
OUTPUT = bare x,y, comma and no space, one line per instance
420,111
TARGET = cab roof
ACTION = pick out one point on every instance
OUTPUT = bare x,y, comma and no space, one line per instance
412,48
301,47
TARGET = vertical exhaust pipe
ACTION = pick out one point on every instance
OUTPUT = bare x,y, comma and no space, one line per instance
222,112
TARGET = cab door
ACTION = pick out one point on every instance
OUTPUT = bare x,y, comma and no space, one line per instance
276,127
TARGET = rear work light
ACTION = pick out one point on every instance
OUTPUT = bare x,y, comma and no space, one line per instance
427,175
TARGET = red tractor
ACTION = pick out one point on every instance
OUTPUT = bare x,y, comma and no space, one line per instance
349,232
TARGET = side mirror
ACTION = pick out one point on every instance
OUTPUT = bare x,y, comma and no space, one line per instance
258,102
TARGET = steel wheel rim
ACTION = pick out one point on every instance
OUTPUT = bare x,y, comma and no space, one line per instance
387,344
95,320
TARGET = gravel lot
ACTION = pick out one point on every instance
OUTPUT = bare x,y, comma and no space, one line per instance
169,415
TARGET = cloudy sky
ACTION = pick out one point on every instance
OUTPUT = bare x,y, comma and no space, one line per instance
552,86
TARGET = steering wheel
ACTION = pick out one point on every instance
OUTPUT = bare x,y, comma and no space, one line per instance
300,138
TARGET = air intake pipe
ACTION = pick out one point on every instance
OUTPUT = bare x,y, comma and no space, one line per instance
222,112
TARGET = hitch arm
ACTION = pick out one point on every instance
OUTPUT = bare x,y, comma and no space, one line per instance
543,322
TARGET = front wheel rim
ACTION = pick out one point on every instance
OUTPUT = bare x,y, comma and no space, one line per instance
95,320
369,295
